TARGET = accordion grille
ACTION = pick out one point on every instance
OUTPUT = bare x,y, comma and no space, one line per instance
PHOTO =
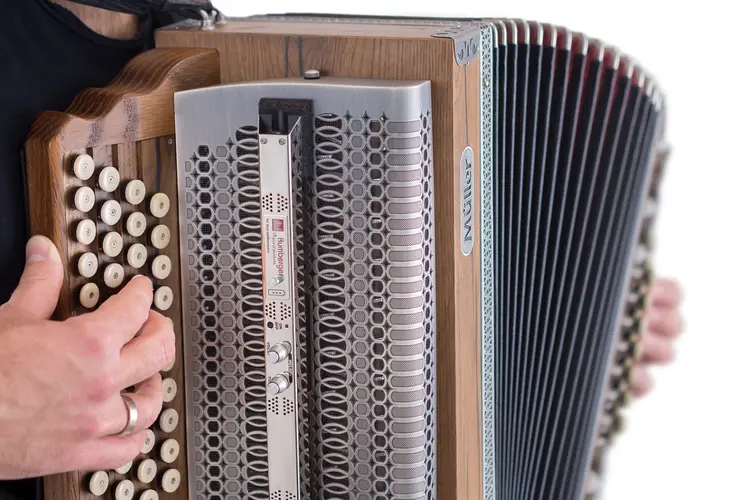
365,306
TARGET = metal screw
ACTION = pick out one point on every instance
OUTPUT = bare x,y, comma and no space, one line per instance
282,141
169,141
263,140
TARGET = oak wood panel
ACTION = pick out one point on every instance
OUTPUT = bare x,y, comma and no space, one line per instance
128,125
259,50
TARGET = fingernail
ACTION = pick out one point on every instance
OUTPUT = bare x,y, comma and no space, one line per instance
40,248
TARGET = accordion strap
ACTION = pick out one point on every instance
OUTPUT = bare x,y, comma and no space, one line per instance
194,9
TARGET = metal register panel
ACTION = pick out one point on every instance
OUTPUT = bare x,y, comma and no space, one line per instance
362,205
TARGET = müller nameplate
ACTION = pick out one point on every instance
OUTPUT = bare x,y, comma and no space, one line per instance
310,262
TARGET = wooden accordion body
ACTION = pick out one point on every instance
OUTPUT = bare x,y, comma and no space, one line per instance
470,207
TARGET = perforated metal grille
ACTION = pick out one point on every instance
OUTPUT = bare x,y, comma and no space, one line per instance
226,320
372,320
364,252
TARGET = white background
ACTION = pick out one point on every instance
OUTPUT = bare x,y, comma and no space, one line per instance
689,439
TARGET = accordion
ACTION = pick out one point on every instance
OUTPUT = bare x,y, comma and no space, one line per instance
405,258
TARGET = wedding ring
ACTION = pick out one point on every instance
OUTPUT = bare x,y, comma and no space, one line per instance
132,416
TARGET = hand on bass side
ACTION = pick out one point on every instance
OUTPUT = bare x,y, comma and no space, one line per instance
664,323
60,382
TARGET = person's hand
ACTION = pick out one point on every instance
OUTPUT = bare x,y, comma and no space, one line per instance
664,323
60,382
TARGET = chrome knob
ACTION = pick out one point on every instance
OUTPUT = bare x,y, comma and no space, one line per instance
279,352
278,384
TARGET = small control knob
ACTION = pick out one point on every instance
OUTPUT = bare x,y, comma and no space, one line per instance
312,74
279,352
278,384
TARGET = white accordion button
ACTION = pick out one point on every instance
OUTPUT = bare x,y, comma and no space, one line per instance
146,471
137,256
163,298
114,274
135,192
89,295
98,483
160,237
170,481
159,205
149,495
168,420
149,443
111,212
84,199
83,167
169,451
112,244
87,265
161,267
125,490
109,179
169,389
125,468
136,224
86,232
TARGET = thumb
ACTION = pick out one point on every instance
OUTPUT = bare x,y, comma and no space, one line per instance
39,289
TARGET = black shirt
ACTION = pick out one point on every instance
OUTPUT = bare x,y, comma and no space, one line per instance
47,56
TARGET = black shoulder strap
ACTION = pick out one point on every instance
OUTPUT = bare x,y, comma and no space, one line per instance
193,9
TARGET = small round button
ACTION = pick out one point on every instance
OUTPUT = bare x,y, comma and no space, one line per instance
169,451
125,468
161,267
135,192
136,224
168,420
170,481
160,236
89,295
163,298
87,265
86,232
125,490
149,495
83,167
169,389
112,244
98,483
149,443
137,256
84,199
111,212
109,179
146,471
159,205
114,274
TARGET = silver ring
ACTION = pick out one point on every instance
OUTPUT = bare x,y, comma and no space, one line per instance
132,415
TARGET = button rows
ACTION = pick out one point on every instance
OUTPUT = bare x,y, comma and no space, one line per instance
125,489
113,276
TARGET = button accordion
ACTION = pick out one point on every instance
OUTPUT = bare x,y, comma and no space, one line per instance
405,258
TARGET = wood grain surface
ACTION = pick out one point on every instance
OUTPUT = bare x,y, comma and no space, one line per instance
256,50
